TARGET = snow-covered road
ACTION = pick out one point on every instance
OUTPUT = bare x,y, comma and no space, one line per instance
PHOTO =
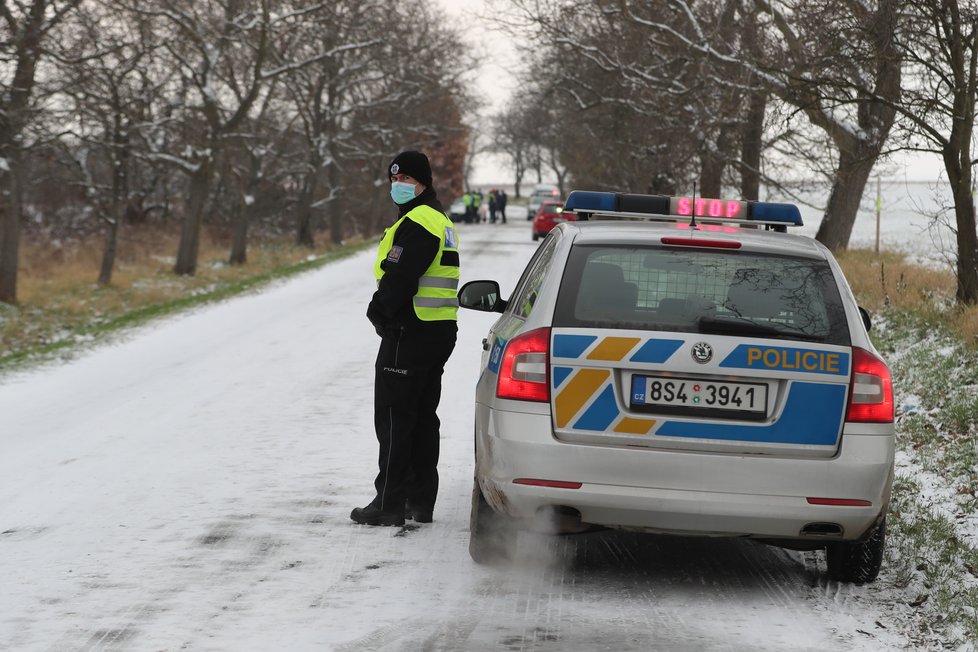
189,488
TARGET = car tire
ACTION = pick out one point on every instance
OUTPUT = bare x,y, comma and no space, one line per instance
857,561
491,535
535,237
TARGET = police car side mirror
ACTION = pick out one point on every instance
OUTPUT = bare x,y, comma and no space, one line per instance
482,296
867,322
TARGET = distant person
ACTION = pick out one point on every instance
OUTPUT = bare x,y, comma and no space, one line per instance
477,206
492,206
501,205
414,310
468,200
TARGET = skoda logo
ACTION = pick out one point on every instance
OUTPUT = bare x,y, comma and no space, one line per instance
702,352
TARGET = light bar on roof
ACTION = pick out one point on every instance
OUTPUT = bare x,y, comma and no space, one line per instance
662,207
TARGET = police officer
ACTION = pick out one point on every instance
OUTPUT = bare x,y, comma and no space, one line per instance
414,310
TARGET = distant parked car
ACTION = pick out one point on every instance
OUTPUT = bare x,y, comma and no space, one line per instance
541,193
549,215
456,212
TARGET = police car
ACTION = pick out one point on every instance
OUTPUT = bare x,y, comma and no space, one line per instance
682,365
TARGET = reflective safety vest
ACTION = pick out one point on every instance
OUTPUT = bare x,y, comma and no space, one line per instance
436,298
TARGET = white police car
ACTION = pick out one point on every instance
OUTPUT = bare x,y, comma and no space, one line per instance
663,367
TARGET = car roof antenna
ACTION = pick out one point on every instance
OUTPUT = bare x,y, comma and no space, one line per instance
692,222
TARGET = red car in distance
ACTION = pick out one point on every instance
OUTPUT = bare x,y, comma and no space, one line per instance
549,215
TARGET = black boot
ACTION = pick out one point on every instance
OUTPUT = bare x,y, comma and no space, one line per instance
418,513
373,515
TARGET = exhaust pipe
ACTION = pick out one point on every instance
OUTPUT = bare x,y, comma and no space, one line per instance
822,530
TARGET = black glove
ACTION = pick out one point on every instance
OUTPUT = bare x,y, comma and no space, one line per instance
374,318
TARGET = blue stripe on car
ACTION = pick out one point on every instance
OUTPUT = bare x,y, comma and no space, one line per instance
656,351
601,413
571,346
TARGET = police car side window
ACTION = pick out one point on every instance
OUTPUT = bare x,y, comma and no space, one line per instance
526,291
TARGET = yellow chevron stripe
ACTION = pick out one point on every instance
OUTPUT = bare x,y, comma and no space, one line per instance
631,426
576,393
613,348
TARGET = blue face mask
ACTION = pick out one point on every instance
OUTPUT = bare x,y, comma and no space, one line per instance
402,192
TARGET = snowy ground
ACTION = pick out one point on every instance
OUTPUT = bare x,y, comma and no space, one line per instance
189,488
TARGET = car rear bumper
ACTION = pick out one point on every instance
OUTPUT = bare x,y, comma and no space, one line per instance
684,491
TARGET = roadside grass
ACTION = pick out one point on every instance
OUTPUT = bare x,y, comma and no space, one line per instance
930,344
62,309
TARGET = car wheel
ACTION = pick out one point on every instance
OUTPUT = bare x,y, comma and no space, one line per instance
491,535
535,237
857,561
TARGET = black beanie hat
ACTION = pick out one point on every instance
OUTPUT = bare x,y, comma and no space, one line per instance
412,163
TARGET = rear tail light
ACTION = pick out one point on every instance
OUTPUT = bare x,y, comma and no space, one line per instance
870,390
523,374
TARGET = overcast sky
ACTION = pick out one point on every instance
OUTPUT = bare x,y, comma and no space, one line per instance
495,78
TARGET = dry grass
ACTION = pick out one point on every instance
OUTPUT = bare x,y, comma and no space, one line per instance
886,280
966,324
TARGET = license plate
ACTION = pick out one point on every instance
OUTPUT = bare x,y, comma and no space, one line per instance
692,395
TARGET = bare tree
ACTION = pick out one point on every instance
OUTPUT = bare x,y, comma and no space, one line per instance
255,161
221,47
25,29
512,139
345,39
104,87
938,112
838,63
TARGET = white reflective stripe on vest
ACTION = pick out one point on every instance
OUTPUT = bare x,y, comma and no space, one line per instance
436,302
438,282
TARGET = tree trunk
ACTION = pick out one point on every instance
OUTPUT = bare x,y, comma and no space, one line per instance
120,199
111,247
711,173
242,219
333,207
855,166
960,172
712,163
518,171
189,247
967,267
239,232
10,226
751,147
303,211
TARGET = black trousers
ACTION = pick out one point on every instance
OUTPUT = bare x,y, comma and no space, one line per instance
407,388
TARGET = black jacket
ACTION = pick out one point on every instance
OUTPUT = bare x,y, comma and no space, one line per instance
392,309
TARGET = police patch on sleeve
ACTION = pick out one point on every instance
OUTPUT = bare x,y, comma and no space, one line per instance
395,254
451,239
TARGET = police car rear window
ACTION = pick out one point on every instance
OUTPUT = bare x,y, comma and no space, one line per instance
720,292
